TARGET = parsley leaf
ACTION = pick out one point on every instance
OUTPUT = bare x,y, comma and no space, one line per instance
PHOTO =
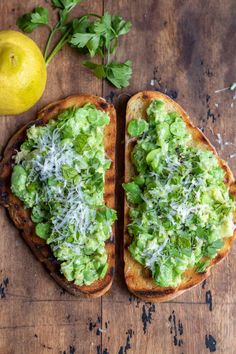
89,40
63,16
118,74
81,40
80,25
120,26
85,37
65,4
103,28
103,25
40,16
30,21
99,70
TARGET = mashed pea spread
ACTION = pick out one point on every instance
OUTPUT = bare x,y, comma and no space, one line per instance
59,173
180,208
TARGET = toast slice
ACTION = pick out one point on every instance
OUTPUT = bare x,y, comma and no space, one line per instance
21,216
138,278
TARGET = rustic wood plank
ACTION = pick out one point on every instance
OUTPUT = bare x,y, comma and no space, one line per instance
168,328
183,48
36,316
186,48
48,326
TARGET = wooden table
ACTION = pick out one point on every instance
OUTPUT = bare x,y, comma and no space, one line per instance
186,48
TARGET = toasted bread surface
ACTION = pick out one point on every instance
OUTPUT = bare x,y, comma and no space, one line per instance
21,216
138,278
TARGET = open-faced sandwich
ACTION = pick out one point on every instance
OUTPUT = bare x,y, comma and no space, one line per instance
57,182
179,208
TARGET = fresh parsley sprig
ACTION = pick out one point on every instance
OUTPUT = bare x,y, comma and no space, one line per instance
118,74
91,34
29,22
100,37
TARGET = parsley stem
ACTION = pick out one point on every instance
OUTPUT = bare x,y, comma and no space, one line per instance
108,55
59,45
48,42
62,41
49,27
90,15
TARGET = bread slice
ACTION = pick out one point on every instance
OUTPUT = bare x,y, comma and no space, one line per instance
21,216
138,278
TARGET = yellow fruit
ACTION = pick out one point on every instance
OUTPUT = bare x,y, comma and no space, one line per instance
22,73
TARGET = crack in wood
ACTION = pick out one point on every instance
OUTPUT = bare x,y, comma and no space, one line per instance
176,329
147,310
71,350
210,343
3,287
93,324
209,299
123,349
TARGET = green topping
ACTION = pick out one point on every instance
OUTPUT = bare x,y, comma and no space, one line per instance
178,128
133,192
59,173
18,180
202,266
180,208
38,215
43,230
137,127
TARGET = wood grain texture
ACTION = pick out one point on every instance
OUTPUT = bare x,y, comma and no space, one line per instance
186,48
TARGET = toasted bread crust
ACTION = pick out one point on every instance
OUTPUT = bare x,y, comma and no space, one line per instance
21,216
138,278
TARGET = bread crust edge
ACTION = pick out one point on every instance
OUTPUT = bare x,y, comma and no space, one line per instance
21,216
138,280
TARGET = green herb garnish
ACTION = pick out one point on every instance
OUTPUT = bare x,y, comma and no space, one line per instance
91,34
31,21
